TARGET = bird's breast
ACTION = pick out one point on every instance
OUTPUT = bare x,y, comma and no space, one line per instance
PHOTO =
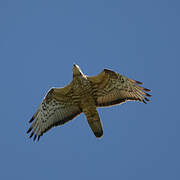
81,86
82,90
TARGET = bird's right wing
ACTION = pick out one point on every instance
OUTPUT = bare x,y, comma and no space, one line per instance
56,109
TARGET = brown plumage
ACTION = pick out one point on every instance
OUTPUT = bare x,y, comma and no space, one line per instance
85,94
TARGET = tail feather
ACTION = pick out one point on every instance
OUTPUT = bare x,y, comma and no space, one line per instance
94,121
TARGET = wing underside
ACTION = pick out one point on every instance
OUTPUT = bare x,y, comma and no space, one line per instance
113,88
52,112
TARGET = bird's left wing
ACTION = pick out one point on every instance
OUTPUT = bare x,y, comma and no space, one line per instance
111,88
56,109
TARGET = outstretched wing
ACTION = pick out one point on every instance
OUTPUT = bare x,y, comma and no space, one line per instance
111,88
56,109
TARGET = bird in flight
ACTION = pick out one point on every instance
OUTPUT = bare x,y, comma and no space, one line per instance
85,94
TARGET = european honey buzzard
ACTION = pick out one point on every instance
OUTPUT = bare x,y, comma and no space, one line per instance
85,94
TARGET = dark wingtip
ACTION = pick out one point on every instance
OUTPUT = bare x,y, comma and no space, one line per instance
29,130
31,120
138,82
38,137
31,135
149,95
145,89
144,101
34,137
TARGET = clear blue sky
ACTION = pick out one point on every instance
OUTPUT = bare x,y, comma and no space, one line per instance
39,42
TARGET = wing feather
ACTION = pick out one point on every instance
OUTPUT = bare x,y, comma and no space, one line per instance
56,109
113,88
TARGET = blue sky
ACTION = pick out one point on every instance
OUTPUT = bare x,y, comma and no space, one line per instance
39,42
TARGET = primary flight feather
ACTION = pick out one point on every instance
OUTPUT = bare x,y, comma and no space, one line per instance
85,94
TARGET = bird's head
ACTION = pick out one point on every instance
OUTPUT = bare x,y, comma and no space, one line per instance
77,71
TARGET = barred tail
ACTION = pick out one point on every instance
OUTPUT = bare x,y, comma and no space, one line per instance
94,120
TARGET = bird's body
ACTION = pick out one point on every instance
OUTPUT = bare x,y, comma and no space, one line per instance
84,94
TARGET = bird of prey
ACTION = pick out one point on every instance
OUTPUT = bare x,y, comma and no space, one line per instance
85,94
